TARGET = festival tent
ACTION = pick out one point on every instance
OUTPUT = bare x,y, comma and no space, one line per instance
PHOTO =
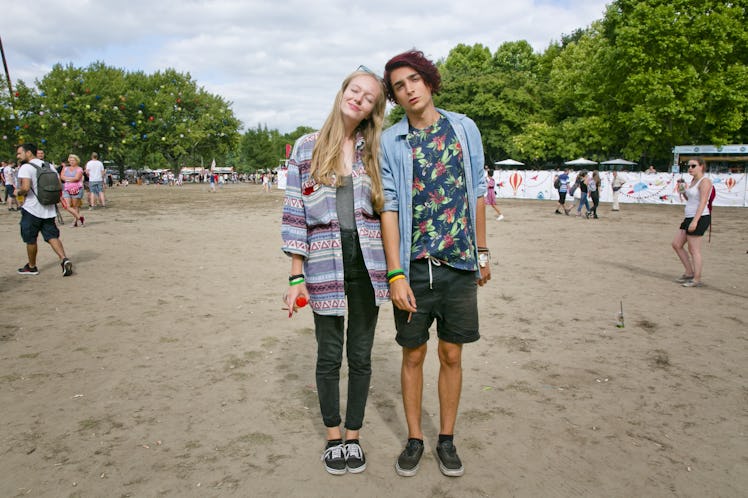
580,162
619,162
509,162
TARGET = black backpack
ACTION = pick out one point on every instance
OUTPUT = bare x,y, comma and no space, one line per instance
48,184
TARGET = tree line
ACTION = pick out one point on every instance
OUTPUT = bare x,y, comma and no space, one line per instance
647,76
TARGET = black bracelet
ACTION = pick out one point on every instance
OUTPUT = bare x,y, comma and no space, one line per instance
392,273
294,277
483,249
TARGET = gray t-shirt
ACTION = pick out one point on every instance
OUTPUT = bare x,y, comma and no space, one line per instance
344,204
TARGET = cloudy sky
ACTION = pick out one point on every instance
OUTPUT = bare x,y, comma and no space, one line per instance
279,62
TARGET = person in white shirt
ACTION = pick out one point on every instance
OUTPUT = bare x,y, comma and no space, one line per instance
616,184
9,179
37,217
95,172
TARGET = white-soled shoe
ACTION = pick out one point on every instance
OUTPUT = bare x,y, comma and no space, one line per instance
355,460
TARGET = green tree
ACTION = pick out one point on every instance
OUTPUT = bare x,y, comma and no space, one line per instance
159,120
579,105
260,148
500,92
681,73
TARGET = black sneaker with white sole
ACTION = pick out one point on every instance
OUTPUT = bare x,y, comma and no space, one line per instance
355,460
407,462
28,270
334,458
67,267
449,463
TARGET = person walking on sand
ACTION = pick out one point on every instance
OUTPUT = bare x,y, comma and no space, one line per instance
617,183
593,186
583,186
331,230
95,172
9,179
563,188
35,216
72,191
434,232
491,194
697,221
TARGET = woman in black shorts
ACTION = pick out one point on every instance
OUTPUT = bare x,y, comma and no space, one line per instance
696,223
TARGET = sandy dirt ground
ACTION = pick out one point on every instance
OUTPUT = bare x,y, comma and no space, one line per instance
165,366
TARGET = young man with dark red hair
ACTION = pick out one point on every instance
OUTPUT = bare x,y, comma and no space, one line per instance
434,234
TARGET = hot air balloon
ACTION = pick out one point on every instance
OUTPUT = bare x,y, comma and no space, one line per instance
730,183
515,180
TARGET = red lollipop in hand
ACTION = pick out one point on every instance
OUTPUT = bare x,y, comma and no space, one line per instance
301,301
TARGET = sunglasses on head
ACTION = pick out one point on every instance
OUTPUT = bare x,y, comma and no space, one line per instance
365,69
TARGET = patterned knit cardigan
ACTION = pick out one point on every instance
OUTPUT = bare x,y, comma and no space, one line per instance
310,228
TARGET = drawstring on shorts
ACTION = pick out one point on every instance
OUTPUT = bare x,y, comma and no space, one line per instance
435,262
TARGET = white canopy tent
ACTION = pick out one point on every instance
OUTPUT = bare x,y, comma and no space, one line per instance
619,162
580,162
509,162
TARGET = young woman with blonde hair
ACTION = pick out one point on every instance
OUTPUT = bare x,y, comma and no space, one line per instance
331,230
72,191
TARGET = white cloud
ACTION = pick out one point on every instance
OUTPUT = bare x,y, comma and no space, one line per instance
280,63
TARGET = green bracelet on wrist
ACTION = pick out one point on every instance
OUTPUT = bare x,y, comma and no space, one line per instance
392,273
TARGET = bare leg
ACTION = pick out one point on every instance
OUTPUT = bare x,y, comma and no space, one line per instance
31,250
679,241
333,433
57,247
71,209
411,381
450,385
349,434
694,247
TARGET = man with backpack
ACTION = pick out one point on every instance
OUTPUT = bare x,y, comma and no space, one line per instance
39,211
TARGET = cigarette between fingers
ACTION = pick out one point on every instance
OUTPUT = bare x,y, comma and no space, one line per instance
410,315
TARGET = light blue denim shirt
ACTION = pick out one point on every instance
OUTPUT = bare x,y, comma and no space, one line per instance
396,162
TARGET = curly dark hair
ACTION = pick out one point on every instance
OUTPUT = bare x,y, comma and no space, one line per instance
416,60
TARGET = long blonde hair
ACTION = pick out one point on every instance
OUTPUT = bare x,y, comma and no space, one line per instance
327,156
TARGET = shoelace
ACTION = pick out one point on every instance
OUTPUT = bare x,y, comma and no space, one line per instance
334,452
353,450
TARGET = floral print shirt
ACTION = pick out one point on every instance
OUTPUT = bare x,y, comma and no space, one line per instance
441,222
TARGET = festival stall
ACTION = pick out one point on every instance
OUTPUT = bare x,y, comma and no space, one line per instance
640,187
